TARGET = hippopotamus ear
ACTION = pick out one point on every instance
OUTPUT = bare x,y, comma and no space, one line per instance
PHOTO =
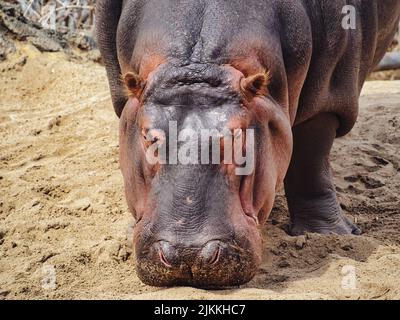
255,85
134,84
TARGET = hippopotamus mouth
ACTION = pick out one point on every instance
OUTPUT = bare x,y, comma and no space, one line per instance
194,156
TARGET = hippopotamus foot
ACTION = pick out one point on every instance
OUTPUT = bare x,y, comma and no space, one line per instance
319,214
310,192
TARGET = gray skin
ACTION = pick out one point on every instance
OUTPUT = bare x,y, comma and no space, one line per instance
187,61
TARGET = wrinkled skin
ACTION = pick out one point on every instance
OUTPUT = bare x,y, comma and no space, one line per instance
203,64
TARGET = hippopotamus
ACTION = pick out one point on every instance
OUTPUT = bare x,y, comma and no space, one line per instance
289,70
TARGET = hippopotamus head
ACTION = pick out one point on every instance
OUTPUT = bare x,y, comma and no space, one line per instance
198,211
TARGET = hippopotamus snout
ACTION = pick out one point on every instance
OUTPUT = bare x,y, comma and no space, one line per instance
216,263
174,256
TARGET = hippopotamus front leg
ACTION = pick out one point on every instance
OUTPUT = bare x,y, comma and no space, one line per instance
310,192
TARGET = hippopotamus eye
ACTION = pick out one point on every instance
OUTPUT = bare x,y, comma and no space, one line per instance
152,136
148,136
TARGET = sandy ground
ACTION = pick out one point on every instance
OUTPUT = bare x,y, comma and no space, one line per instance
63,215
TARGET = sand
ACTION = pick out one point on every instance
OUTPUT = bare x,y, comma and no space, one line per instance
64,221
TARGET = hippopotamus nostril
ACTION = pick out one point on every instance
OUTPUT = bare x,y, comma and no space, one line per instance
210,253
165,253
206,264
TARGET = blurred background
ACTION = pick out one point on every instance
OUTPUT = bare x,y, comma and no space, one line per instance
61,15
